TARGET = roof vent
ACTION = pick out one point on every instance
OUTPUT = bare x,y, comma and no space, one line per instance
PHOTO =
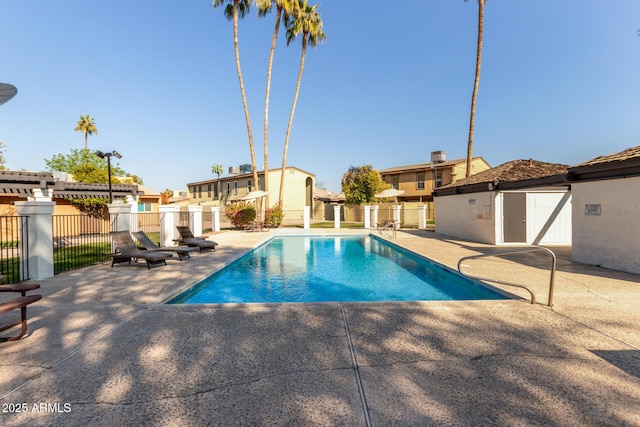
234,170
438,156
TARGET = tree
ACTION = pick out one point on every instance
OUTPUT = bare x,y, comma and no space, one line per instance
476,82
306,22
360,184
233,10
86,167
218,169
87,126
165,196
264,8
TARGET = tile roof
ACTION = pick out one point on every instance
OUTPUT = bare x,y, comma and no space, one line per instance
629,153
516,170
22,183
421,166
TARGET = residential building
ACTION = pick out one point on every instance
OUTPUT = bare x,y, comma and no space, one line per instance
418,181
299,189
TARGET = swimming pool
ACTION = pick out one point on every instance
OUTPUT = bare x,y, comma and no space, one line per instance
331,269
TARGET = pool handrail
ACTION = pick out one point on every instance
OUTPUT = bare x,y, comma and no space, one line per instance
502,282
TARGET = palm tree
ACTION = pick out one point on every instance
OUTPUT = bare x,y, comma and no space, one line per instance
218,169
475,84
233,10
264,8
87,126
306,22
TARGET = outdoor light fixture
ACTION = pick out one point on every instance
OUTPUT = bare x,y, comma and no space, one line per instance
108,156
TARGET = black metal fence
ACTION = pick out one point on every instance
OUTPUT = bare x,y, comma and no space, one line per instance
79,241
149,222
14,248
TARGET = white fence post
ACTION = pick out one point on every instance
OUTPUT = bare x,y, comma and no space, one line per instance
336,216
422,217
367,216
40,232
375,216
195,216
132,201
396,215
215,218
120,214
168,230
307,217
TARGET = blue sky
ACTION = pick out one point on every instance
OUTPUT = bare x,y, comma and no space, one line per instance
560,83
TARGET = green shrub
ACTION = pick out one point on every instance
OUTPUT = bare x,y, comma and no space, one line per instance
273,216
240,214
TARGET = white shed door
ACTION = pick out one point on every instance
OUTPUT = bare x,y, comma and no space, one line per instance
549,218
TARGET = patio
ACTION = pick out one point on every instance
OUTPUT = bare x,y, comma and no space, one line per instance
103,349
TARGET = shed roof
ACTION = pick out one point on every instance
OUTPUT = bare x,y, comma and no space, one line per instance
21,184
618,165
511,175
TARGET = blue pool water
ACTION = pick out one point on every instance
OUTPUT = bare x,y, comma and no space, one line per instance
323,269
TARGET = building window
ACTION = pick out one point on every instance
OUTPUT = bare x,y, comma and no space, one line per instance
394,181
228,188
249,185
215,191
199,191
437,181
260,186
420,181
235,187
144,207
209,190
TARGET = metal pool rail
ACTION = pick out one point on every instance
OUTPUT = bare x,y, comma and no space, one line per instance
517,251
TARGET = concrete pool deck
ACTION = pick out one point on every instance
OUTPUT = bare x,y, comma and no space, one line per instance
102,349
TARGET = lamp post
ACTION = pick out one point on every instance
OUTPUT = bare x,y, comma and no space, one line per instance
108,156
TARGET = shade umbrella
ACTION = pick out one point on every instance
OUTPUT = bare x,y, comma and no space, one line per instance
388,193
256,194
7,92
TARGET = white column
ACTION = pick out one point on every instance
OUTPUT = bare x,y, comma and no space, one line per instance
195,220
215,218
307,217
396,215
375,216
336,216
367,216
133,202
422,217
120,216
169,217
39,237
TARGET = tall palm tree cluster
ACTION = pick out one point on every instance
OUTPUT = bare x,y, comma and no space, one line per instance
302,21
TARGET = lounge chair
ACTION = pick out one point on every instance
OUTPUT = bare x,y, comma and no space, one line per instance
187,238
126,250
144,240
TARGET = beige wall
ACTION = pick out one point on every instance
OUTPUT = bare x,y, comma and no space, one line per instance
612,238
467,216
295,198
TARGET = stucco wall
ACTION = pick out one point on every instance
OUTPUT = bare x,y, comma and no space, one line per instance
467,216
605,223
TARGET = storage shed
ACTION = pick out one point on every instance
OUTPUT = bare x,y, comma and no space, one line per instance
519,202
606,208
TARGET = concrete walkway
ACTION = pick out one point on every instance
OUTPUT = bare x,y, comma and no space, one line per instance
104,350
